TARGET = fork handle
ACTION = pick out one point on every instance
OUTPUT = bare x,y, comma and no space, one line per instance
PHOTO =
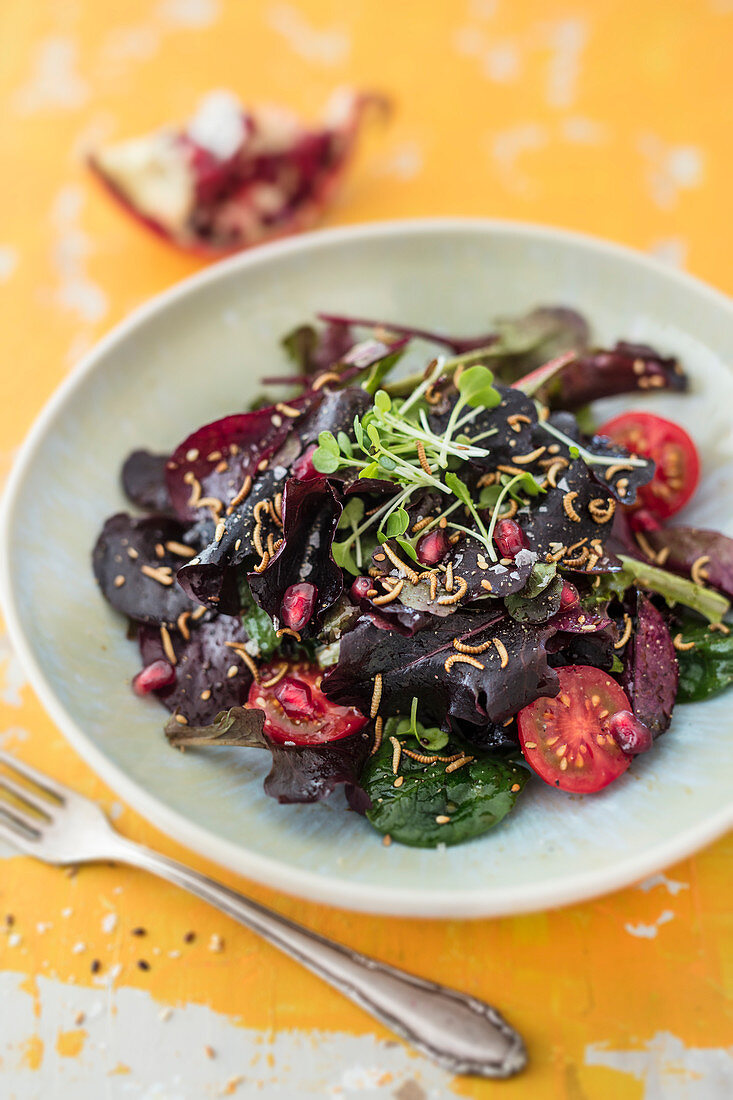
461,1033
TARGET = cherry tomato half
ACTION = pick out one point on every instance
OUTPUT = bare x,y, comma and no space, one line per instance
297,710
566,739
669,445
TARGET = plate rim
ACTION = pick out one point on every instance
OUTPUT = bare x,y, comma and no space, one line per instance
316,887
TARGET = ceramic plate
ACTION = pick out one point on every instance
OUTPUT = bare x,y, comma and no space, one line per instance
194,354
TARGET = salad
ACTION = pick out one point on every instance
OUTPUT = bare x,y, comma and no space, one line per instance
428,589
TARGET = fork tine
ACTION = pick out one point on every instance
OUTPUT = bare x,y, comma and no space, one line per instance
14,828
55,790
25,796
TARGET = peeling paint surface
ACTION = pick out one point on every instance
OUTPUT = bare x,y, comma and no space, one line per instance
563,112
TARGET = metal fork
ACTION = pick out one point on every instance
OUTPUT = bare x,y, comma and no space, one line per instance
462,1034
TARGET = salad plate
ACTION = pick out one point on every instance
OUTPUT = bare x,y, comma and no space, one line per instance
196,354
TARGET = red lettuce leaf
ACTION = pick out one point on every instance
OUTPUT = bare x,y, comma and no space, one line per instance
221,454
125,545
651,674
686,545
203,663
414,667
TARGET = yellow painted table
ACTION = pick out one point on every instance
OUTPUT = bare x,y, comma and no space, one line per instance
610,116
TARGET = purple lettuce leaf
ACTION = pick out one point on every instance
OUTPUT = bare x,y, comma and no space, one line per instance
623,368
315,350
651,674
586,636
144,482
525,341
212,577
126,545
687,545
203,663
300,773
415,667
308,773
311,511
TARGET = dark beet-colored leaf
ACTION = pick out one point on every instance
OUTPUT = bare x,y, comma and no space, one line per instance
491,737
623,368
551,525
651,674
415,666
687,545
124,548
503,579
143,479
203,663
311,511
308,773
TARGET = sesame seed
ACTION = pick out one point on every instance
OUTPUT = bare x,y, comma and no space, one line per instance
143,964
119,581
189,937
442,819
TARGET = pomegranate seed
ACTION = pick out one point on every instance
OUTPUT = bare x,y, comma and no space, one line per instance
631,735
568,595
295,698
298,603
643,520
510,538
360,587
303,467
433,547
157,675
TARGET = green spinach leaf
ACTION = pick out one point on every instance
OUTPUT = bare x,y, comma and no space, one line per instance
257,622
474,798
708,668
